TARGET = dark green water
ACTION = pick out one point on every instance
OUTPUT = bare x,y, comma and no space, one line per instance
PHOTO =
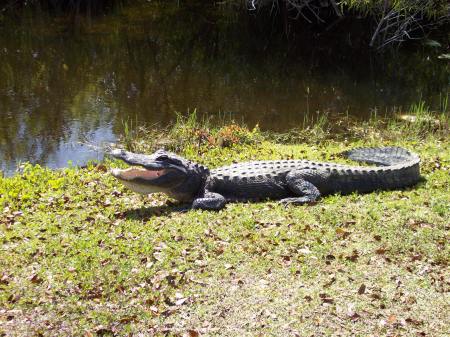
66,82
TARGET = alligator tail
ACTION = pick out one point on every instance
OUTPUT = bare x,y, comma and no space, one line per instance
383,156
397,168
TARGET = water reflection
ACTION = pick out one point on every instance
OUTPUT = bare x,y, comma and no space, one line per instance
63,85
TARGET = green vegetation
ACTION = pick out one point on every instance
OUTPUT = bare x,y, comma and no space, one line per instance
390,22
431,8
148,59
81,255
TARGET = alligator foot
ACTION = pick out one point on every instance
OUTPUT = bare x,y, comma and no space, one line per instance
306,192
209,201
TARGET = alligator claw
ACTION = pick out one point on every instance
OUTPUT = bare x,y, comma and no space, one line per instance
182,208
296,201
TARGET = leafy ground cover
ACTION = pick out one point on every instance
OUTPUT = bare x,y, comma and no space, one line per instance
81,255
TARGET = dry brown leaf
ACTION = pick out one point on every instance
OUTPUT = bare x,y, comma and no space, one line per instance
326,298
4,279
362,289
331,281
375,296
380,251
127,319
413,321
342,233
330,257
353,257
34,278
392,319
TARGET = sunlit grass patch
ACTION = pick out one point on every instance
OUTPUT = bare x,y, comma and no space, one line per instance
81,255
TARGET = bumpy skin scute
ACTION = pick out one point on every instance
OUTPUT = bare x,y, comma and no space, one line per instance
290,181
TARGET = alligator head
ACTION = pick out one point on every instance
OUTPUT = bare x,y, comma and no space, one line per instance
161,171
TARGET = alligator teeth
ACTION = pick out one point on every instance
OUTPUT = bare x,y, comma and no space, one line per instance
136,172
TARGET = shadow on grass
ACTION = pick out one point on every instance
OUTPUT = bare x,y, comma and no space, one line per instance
144,213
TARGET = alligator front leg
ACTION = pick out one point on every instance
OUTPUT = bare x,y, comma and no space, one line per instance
306,191
209,201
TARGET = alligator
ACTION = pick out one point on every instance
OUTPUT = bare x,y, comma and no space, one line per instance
289,181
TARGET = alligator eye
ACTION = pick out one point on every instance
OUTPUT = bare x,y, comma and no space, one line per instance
163,157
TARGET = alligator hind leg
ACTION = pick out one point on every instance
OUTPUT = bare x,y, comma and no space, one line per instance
306,191
209,201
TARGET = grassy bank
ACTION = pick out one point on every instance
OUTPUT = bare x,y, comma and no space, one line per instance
81,255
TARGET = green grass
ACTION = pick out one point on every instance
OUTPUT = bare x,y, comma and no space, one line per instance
81,255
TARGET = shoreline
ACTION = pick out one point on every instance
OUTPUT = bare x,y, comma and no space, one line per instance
83,255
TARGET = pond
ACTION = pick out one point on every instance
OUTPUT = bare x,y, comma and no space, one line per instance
67,82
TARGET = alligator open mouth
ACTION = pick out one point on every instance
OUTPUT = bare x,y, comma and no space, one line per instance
134,172
159,172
